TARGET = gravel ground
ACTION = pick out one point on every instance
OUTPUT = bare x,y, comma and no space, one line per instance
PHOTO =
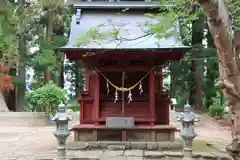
30,140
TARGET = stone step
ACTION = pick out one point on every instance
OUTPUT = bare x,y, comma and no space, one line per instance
133,155
74,159
116,147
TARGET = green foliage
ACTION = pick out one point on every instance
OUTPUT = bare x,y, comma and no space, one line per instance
46,57
46,98
8,37
216,110
17,81
74,105
75,74
182,98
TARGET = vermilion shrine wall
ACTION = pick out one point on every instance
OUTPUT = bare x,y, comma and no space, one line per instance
92,113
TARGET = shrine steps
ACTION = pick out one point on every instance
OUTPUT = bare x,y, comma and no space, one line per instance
156,133
120,146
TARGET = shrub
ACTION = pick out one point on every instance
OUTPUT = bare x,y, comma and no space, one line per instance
74,105
216,110
46,98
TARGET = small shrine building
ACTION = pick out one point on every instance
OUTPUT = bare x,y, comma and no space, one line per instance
123,98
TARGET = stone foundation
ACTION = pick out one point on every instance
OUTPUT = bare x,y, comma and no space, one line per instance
155,134
113,145
131,154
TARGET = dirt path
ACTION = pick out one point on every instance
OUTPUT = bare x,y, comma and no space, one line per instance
29,140
209,130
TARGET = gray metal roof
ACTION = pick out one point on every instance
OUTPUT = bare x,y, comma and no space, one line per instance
131,28
114,4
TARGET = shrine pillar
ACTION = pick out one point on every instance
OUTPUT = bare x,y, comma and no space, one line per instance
160,79
84,93
96,99
152,88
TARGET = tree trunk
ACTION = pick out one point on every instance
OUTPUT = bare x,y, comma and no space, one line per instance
196,94
211,75
11,96
60,31
47,73
200,92
3,105
220,27
61,75
22,66
192,95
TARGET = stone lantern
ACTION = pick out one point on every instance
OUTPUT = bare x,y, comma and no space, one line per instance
61,118
187,130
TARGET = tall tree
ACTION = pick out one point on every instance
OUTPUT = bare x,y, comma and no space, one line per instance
22,60
49,6
55,20
8,49
197,65
220,27
212,73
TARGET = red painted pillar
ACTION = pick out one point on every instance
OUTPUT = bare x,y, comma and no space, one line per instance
96,99
87,80
160,79
85,89
81,112
152,87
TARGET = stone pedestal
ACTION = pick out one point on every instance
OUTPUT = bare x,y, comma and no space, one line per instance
187,150
61,153
61,148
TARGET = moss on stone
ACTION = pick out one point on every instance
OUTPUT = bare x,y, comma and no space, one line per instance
199,145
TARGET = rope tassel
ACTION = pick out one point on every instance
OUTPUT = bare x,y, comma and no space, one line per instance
129,96
107,86
116,96
123,89
140,88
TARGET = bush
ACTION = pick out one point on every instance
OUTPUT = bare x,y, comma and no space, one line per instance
74,105
46,98
216,110
182,98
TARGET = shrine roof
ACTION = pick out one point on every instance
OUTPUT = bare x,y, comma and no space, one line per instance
133,35
114,4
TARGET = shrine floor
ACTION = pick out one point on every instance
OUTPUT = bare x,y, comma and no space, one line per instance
29,143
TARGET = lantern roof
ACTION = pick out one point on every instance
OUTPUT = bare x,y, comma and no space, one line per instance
61,115
186,117
133,33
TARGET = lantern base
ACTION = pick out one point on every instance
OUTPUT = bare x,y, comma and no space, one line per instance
188,147
187,152
61,148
